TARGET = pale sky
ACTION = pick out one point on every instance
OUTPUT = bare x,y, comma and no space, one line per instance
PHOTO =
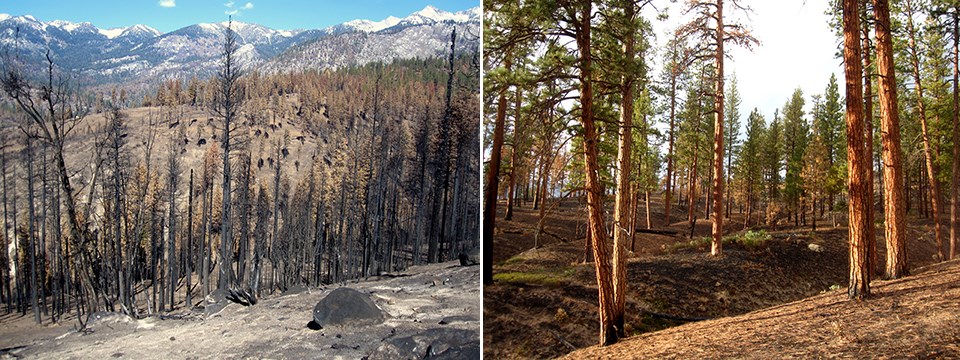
797,49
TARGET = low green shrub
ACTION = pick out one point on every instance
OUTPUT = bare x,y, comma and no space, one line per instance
754,239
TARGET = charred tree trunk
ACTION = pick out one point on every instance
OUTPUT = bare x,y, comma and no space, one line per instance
189,258
491,183
31,233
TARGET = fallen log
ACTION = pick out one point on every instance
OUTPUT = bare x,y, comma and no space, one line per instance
659,232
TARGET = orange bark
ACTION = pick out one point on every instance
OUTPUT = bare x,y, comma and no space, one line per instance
859,285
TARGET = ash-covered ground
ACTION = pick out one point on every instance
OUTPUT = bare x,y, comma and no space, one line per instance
432,311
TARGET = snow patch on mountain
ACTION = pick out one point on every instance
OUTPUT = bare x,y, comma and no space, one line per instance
112,33
140,30
140,53
372,26
430,15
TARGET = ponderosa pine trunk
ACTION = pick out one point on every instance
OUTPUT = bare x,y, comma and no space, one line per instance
859,284
673,112
621,212
595,223
512,185
930,162
492,183
955,168
894,203
716,247
872,262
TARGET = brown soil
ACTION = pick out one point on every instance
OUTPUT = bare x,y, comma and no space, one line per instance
543,301
437,299
913,317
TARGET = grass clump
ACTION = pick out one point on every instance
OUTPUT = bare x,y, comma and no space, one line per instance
696,244
533,278
750,240
754,239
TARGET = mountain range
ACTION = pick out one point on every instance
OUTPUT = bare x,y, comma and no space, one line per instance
141,54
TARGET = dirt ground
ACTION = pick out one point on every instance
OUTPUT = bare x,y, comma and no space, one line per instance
432,309
543,300
910,318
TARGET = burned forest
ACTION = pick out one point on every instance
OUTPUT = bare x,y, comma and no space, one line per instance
246,182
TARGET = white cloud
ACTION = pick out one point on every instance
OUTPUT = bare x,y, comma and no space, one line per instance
168,3
231,12
248,6
229,4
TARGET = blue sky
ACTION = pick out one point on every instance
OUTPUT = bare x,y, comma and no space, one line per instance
277,14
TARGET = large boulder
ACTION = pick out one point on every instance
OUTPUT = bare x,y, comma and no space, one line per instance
215,301
347,307
470,257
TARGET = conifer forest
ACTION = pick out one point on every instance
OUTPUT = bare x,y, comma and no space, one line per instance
631,186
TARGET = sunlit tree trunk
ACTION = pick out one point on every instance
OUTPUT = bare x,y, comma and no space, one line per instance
621,212
955,168
931,166
859,285
716,247
595,223
894,202
868,140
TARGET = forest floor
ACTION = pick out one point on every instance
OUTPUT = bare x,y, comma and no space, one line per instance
909,318
431,308
543,300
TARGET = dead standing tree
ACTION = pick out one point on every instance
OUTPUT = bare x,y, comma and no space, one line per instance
54,109
228,98
435,246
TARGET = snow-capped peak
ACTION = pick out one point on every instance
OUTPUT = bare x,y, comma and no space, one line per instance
4,17
372,26
140,29
430,15
72,26
430,12
112,33
136,30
